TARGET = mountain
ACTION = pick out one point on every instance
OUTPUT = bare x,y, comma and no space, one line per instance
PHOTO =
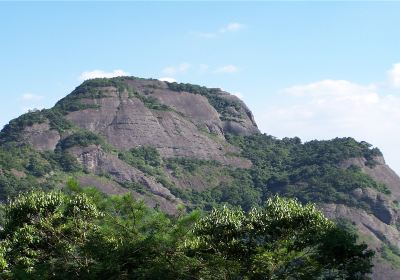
172,144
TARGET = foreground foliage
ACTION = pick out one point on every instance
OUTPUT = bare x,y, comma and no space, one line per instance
82,234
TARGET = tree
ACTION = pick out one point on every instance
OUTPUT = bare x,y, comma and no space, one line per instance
44,236
284,240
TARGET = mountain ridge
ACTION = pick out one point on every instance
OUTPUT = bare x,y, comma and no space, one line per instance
172,144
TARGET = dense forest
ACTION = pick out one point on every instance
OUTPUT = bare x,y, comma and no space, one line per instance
83,234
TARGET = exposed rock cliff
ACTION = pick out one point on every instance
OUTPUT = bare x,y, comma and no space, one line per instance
131,113
138,112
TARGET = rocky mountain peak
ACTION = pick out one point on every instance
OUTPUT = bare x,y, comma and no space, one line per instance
171,144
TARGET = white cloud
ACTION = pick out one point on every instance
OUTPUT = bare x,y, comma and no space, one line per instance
336,108
394,75
29,97
167,79
179,69
227,69
339,90
102,74
231,27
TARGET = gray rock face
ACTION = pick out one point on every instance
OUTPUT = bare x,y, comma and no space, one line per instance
372,230
41,137
368,224
197,107
381,172
382,225
192,128
381,205
245,125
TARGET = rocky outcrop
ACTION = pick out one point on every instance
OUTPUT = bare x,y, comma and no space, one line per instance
380,204
190,128
139,112
41,136
194,107
380,172
381,225
367,224
132,112
95,160
198,107
372,230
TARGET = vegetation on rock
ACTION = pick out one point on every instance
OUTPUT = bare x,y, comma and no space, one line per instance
309,172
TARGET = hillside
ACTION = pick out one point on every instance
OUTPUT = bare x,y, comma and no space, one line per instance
172,144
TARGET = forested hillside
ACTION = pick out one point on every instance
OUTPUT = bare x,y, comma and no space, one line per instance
181,148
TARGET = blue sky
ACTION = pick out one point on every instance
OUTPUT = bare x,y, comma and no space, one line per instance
311,69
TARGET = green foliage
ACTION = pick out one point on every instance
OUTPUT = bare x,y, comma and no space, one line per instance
148,160
44,235
189,164
310,171
83,234
239,191
10,185
152,103
14,156
284,240
132,241
221,184
63,161
82,138
142,156
20,167
23,168
391,254
65,106
38,167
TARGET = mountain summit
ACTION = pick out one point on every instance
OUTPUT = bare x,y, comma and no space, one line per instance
172,144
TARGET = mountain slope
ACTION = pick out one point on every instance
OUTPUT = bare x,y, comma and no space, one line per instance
172,144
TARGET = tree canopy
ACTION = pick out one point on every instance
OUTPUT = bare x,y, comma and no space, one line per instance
83,234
